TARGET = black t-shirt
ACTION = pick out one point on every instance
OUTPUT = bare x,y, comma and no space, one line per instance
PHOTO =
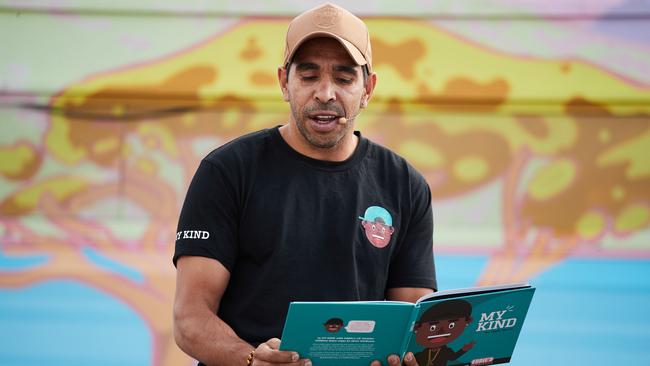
292,228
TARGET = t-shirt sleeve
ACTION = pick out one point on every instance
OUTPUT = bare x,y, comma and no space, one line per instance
413,264
207,225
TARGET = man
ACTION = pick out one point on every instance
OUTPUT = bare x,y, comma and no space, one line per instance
278,209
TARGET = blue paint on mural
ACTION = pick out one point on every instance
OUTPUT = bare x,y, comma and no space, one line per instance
111,265
21,263
588,312
65,323
585,311
458,271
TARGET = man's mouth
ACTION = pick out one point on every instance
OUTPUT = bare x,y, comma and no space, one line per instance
323,121
378,237
323,118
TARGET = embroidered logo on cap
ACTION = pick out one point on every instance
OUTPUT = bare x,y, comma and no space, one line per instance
326,17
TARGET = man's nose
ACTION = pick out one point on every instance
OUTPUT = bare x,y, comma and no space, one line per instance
325,91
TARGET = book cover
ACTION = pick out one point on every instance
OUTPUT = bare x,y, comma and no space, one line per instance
477,326
346,333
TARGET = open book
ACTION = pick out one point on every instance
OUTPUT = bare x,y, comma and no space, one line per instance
476,326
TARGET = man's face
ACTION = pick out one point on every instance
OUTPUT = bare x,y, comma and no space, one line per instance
435,334
324,84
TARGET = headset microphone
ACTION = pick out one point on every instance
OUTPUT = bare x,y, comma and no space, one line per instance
345,120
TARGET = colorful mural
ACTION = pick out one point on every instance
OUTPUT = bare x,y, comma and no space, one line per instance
536,150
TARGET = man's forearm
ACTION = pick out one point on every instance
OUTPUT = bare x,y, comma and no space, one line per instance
209,339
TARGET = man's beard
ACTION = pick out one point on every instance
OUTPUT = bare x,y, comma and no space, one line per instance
317,140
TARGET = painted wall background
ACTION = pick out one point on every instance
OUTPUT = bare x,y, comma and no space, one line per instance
530,120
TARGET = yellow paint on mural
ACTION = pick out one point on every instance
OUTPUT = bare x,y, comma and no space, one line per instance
561,131
634,152
552,179
106,145
117,110
59,188
415,61
632,218
421,154
618,193
188,120
58,141
223,55
471,168
445,57
14,159
127,150
154,132
604,135
430,81
230,118
255,47
590,225
147,166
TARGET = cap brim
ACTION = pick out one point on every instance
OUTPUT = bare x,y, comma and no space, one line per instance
349,47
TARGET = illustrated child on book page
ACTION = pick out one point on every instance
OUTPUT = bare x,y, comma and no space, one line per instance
438,326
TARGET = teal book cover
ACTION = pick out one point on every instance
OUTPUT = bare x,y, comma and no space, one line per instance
469,329
477,326
346,333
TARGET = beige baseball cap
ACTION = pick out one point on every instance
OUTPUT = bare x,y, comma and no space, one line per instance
330,20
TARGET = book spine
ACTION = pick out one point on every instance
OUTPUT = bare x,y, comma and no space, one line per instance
408,331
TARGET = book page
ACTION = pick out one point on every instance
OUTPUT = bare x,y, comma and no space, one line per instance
472,290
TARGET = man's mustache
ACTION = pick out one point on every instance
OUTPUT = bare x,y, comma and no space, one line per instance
323,107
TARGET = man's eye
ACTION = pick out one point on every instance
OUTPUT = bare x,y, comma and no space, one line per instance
374,228
309,78
451,325
432,328
344,80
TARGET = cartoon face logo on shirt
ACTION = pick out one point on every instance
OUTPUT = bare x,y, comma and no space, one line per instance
378,225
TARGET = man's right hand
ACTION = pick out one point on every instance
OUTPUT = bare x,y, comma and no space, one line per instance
268,353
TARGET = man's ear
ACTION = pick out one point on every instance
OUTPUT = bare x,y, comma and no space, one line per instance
282,79
370,87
